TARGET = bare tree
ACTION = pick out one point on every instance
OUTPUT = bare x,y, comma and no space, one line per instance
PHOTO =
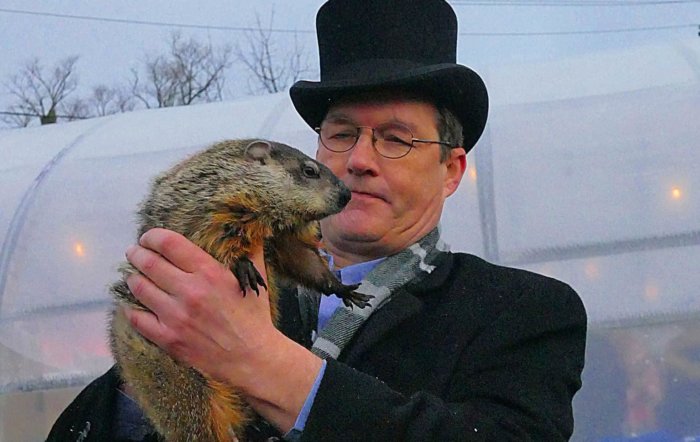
105,100
16,117
74,109
123,100
272,71
191,72
39,92
102,100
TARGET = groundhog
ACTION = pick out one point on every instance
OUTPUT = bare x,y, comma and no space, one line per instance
228,199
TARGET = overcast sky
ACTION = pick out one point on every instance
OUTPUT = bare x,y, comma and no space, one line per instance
111,37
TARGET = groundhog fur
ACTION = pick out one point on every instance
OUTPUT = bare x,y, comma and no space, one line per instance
227,199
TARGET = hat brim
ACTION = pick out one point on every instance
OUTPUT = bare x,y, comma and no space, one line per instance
453,86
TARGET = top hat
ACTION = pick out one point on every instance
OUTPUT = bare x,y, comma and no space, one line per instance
409,45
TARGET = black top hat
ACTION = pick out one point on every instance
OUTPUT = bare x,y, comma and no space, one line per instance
403,44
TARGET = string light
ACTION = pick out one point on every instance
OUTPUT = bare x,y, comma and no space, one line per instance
79,249
676,193
651,292
591,270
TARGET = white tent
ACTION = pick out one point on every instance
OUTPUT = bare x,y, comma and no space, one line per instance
588,172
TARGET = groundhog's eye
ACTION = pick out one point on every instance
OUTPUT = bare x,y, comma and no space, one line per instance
310,170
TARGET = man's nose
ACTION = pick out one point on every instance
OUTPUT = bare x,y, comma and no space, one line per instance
363,156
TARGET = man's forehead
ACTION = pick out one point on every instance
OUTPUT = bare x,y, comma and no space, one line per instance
403,110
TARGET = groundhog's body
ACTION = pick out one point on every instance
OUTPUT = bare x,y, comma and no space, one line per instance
227,199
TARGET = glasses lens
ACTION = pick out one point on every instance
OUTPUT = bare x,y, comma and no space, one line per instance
393,140
338,137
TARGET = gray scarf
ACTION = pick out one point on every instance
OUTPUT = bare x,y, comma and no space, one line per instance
382,282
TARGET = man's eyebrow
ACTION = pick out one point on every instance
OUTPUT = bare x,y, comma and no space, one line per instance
338,117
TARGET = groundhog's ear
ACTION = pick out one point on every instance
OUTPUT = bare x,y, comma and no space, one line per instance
258,150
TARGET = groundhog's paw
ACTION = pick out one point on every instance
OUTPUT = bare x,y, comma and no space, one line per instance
350,297
247,275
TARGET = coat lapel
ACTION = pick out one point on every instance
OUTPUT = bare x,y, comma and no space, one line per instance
293,321
407,302
401,307
404,304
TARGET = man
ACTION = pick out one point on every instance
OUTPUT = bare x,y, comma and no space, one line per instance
452,347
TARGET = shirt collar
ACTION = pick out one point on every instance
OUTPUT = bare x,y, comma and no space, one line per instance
354,273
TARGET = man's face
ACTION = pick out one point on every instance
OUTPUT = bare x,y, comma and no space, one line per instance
395,202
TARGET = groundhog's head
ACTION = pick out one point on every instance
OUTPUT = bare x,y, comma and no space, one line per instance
242,181
293,185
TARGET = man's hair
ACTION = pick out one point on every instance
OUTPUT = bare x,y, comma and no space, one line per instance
450,131
448,126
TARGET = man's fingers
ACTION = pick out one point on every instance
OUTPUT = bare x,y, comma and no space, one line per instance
188,257
162,272
175,248
147,324
150,295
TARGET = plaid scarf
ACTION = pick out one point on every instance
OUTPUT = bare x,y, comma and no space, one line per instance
382,282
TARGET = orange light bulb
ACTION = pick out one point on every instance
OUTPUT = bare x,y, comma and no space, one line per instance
676,193
79,249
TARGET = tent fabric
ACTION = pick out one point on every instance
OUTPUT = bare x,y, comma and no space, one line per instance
587,172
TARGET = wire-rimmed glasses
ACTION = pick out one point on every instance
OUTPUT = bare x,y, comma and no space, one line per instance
390,140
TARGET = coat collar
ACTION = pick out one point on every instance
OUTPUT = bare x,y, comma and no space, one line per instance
406,303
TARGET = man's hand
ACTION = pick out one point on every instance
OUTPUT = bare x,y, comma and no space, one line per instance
199,312
200,316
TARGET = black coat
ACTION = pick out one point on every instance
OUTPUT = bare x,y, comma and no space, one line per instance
475,352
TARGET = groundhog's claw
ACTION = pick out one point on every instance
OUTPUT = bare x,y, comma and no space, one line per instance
357,299
247,275
350,296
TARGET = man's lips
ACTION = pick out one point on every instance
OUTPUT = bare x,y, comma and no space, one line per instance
357,194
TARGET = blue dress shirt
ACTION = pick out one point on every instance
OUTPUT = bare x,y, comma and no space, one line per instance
352,274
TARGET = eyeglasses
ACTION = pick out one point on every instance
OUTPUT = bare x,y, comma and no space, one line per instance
391,140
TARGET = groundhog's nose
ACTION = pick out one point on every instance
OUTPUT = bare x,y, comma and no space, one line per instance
344,196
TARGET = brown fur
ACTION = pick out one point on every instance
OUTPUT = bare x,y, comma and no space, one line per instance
228,199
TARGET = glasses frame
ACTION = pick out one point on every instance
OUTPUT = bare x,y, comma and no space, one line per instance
374,139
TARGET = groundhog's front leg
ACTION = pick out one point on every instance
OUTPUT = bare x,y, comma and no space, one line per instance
231,242
349,296
295,256
247,275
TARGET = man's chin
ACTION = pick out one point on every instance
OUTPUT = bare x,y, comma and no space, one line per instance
350,229
356,232
358,236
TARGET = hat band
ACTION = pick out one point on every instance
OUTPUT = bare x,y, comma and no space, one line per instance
372,69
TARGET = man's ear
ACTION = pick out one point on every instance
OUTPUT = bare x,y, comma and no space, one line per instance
456,165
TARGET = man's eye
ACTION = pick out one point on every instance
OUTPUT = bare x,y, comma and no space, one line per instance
391,138
343,135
